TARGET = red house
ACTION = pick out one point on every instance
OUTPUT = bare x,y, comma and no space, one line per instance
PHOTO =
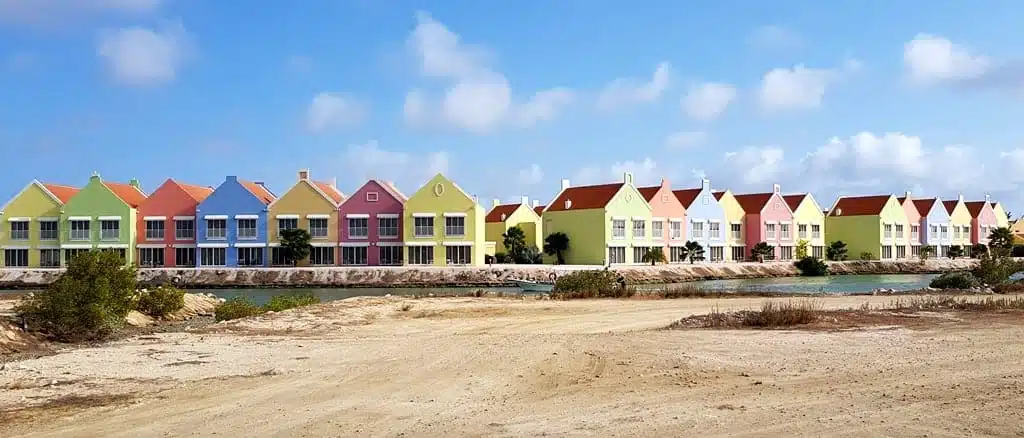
167,225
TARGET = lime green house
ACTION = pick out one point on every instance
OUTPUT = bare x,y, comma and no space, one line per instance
606,223
443,226
101,215
30,233
505,216
873,227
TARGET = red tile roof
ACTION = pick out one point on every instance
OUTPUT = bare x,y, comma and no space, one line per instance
718,195
259,191
924,206
62,192
860,205
794,200
496,213
196,192
649,192
586,197
975,207
753,202
686,196
331,191
128,193
538,209
950,206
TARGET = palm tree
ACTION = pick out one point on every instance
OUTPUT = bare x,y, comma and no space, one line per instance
654,255
762,250
693,251
557,244
1000,240
514,240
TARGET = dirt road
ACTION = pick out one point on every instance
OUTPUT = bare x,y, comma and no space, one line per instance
495,367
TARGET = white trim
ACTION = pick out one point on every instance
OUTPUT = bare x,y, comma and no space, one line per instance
390,244
215,217
714,221
323,244
112,246
212,245
619,218
318,216
25,247
154,218
357,216
79,218
150,245
786,222
659,219
677,245
458,243
455,215
736,223
389,215
424,214
617,245
76,246
280,216
431,243
771,222
47,246
251,245
354,244
48,219
675,219
109,218
247,216
184,245
19,219
184,218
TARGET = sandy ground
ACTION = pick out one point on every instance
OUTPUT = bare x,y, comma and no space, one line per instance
499,367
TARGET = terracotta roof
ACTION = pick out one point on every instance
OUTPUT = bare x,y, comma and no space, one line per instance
649,192
993,204
794,200
924,206
950,206
505,209
62,192
718,195
331,191
861,205
753,202
586,197
538,209
128,193
259,191
975,207
686,196
197,193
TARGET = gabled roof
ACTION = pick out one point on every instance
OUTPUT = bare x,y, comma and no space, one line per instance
330,191
393,189
794,200
950,205
586,197
648,192
61,192
196,192
753,202
718,195
924,206
539,209
501,212
975,207
259,190
687,196
131,195
860,205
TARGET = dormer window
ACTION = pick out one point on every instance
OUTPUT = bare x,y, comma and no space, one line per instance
503,216
568,204
707,200
664,198
371,196
777,205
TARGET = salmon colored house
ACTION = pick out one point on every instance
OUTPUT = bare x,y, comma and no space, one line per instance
665,210
913,213
371,225
166,227
769,219
983,220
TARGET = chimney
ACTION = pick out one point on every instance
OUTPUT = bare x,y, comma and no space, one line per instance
565,184
705,184
988,198
259,183
526,200
627,178
304,175
665,183
907,195
95,176
960,197
536,203
231,178
776,188
334,182
495,202
134,183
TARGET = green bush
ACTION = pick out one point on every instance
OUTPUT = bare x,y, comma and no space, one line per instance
285,302
591,284
867,256
996,270
237,307
161,301
812,267
954,280
88,302
501,257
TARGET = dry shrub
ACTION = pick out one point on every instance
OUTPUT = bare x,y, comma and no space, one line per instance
775,314
913,304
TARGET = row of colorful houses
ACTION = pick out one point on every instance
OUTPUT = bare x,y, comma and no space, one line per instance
239,223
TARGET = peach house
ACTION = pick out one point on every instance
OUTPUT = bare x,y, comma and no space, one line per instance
370,225
167,225
665,209
769,219
983,220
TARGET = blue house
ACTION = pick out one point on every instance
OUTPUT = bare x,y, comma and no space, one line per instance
231,225
705,222
935,229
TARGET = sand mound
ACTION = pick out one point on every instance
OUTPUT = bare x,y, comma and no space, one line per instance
195,305
14,340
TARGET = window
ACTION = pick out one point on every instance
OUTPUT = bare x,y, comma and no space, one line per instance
49,258
707,200
155,230
785,253
915,251
372,196
277,257
956,232
815,231
318,228
899,231
944,251
714,229
784,231
387,227
121,252
886,252
79,230
423,227
818,252
801,230
738,253
934,232
421,255
676,228
697,229
639,228
216,229
153,257
616,255
675,254
658,230
286,224
186,229
19,230
901,252
717,253
458,255
16,258
887,231
358,227
390,255
247,229
70,254
353,255
769,231
618,229
47,230
214,256
184,257
737,231
250,256
915,233
455,226
110,230
321,256
638,254
966,232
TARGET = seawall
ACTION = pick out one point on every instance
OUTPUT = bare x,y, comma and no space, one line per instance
496,275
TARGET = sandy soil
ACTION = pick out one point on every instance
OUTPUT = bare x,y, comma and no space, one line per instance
499,367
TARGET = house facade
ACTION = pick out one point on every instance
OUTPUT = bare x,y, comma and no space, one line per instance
873,227
736,233
1002,219
606,224
810,223
102,215
31,226
166,228
959,223
705,221
768,219
913,221
444,226
505,216
934,228
665,211
983,220
232,225
372,226
312,206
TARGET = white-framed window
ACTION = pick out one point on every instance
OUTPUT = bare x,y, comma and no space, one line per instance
455,226
697,229
19,230
184,257
390,255
618,228
901,252
714,230
277,257
185,229
738,253
785,253
706,200
675,254
318,228
421,255
769,231
49,258
915,233
353,255
815,231
321,256
110,230
617,254
737,231
79,230
887,231
784,231
818,252
658,230
247,229
151,257
899,232
639,228
387,227
423,227
887,252
966,232
638,254
933,232
372,196
282,224
458,255
48,231
358,227
676,229
213,256
216,229
16,258
250,256
155,230
70,254
915,251
801,230
717,253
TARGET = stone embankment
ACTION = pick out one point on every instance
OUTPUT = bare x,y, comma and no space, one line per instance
495,275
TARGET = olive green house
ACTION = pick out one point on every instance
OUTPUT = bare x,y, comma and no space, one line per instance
30,236
101,216
443,225
873,227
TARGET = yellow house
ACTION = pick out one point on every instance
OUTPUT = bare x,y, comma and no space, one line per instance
443,226
310,205
736,235
1002,219
810,223
505,216
960,224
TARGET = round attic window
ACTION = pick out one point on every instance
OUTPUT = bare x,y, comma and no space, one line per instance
438,189
629,197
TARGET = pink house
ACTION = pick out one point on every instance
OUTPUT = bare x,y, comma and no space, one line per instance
983,220
377,206
666,210
769,219
912,209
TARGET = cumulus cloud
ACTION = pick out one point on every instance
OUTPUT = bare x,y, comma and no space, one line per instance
645,172
623,92
330,111
794,88
408,170
708,100
929,59
760,165
139,56
531,175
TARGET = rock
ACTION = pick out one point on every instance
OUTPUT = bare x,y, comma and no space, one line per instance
136,319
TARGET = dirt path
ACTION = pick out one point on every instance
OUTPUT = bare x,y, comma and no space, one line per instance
490,367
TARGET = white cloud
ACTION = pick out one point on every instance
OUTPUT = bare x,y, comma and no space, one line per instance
50,12
441,52
369,160
685,139
437,162
774,37
645,172
531,175
929,59
760,165
139,56
330,111
623,92
414,110
477,106
707,101
544,106
800,87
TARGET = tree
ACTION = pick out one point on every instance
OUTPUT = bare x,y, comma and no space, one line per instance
979,250
955,251
1000,240
694,251
836,251
557,244
654,255
811,267
761,251
801,249
925,252
295,245
514,240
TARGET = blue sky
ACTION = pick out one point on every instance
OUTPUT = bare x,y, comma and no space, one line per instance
508,98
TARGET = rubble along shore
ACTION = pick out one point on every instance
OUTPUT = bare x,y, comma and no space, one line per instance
472,276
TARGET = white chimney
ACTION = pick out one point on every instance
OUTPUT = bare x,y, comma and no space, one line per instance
960,197
536,203
495,202
988,198
705,184
565,184
907,195
303,174
776,188
627,178
526,200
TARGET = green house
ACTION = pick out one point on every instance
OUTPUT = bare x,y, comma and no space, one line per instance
101,216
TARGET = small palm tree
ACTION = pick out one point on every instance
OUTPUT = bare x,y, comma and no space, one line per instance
693,251
761,251
557,244
1000,240
514,240
654,255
